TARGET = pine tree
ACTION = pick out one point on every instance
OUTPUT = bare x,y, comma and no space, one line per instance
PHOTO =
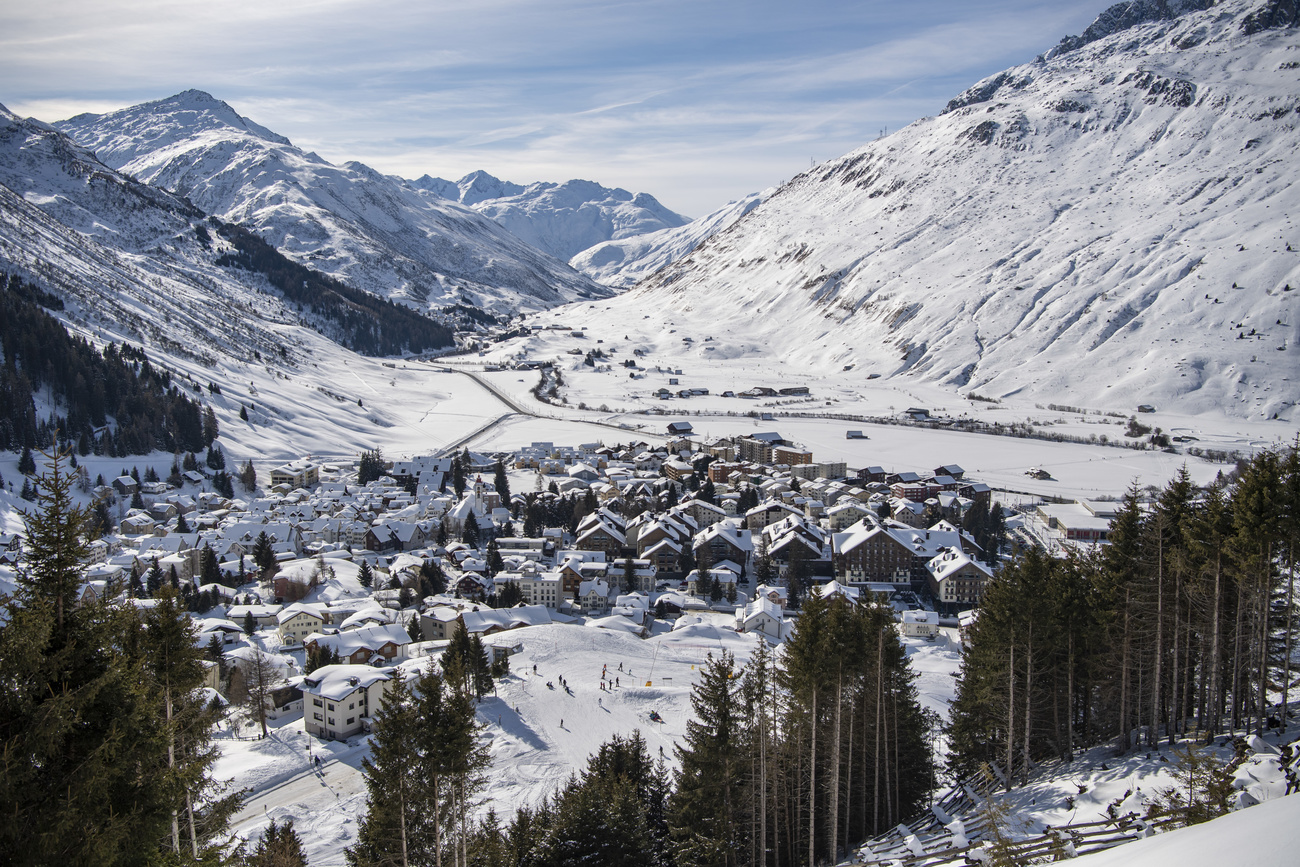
182,525
704,813
495,563
222,484
500,482
84,775
470,535
365,576
264,554
26,463
200,807
280,846
247,476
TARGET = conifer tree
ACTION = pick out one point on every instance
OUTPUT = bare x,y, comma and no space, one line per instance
280,846
365,576
247,476
704,812
500,482
182,525
264,554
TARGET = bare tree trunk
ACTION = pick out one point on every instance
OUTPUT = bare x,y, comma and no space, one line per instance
1011,715
401,805
835,765
812,784
1174,726
880,692
1237,706
848,779
1029,675
1152,733
1124,663
1069,703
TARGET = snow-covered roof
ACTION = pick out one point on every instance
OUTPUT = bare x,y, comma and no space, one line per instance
339,681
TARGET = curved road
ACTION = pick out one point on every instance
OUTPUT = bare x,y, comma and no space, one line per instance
517,409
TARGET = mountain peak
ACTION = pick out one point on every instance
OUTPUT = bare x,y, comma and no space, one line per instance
118,137
1122,16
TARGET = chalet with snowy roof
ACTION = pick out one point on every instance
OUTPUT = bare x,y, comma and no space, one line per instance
762,617
296,474
593,596
699,581
956,581
725,541
680,428
263,615
704,513
664,556
767,513
835,590
600,536
295,622
869,552
228,632
339,701
490,621
919,624
376,644
644,573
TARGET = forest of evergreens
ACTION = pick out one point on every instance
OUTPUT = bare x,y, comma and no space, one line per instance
105,734
112,402
358,320
785,761
1183,626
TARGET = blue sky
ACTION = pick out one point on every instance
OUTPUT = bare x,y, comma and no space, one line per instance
694,101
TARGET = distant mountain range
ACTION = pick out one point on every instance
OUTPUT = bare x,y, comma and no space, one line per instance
1110,224
560,219
373,231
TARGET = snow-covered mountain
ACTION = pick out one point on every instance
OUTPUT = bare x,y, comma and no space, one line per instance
1110,224
624,262
373,231
128,256
132,262
561,219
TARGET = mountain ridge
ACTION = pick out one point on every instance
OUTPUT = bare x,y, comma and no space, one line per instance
1107,226
351,222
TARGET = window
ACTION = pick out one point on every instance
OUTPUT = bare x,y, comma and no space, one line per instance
316,716
331,720
351,720
331,706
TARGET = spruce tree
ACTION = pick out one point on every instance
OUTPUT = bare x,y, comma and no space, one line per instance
280,846
704,813
83,750
365,576
501,483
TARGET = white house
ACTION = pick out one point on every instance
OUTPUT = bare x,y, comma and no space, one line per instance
340,700
919,624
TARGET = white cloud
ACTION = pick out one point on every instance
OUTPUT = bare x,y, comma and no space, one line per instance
695,102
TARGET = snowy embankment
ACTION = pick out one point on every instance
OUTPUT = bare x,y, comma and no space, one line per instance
538,735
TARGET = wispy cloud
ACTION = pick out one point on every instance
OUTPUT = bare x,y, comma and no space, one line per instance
695,101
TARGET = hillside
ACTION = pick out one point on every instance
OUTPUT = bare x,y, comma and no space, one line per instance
1108,225
372,231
